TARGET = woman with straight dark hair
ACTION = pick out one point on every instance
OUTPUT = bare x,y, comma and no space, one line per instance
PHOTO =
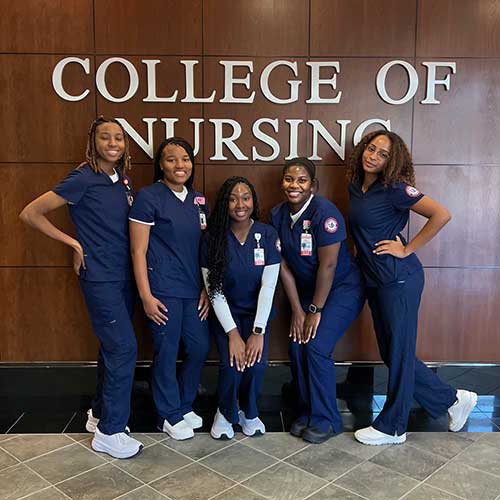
382,193
166,224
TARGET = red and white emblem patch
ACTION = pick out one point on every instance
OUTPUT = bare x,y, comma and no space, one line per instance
331,225
199,200
412,192
278,245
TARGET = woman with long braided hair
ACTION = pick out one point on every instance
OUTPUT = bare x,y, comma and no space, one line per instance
382,193
99,195
240,265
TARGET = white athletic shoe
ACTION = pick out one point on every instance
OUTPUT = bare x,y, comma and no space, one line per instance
459,411
221,428
180,431
92,422
119,445
252,426
372,436
194,421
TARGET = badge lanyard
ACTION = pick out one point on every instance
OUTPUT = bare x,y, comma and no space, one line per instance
306,242
128,192
200,200
258,253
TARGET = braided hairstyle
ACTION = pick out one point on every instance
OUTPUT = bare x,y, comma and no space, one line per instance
91,154
219,224
176,141
399,167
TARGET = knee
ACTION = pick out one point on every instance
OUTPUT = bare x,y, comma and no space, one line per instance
315,350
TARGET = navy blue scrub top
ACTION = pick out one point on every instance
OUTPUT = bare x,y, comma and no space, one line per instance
327,227
174,241
381,214
99,210
242,278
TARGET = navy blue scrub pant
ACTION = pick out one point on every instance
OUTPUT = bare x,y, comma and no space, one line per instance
312,365
174,392
111,306
395,315
233,385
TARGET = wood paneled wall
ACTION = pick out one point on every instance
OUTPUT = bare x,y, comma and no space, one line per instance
454,144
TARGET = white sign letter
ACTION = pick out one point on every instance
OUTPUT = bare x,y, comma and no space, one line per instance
294,84
273,143
220,141
100,79
151,79
294,133
147,147
430,97
316,81
57,78
319,129
412,87
360,130
229,81
190,97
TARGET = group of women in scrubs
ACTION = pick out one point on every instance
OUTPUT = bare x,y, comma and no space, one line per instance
183,260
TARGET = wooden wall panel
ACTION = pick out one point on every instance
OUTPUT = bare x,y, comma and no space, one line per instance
459,316
246,114
155,27
467,116
37,125
467,28
471,194
363,28
169,77
359,102
56,26
259,27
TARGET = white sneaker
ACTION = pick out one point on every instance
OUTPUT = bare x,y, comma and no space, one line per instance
372,436
194,421
92,422
119,445
459,411
252,426
180,431
221,428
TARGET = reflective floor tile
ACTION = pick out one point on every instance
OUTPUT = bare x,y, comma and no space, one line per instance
105,483
65,463
42,421
324,460
32,445
194,482
376,483
238,462
277,444
465,482
409,461
446,444
19,481
284,482
152,463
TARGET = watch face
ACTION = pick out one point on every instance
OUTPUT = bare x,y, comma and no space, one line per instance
258,330
312,308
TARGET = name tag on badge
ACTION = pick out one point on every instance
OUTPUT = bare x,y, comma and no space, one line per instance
258,257
203,220
130,198
306,245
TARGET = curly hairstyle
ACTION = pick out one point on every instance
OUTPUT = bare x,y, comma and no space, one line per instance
176,141
91,154
219,224
399,166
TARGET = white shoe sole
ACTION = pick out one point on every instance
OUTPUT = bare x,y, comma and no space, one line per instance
471,403
222,436
255,433
382,440
102,448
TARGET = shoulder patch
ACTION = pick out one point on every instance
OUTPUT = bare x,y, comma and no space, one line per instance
331,225
199,200
278,245
412,192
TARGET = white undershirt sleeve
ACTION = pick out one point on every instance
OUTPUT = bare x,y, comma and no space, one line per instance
220,305
265,301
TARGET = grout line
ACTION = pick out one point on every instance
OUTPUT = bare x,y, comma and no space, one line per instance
18,418
70,420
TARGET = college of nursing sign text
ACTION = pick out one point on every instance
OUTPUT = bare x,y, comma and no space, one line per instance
322,75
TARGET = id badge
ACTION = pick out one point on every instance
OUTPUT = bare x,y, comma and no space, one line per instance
258,257
306,244
130,198
203,220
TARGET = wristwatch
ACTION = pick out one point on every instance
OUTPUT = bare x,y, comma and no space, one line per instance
257,330
314,309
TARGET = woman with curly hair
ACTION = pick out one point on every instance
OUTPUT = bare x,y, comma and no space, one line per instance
382,193
323,285
240,266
